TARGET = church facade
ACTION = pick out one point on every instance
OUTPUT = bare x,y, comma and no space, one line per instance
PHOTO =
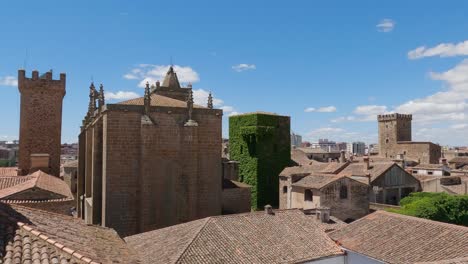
149,162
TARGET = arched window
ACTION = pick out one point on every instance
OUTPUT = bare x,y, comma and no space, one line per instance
344,192
285,189
308,196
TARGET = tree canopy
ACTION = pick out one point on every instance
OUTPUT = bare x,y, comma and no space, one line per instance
436,206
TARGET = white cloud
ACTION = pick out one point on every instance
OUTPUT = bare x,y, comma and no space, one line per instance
244,67
325,109
448,105
441,50
200,97
120,95
339,134
234,113
459,126
152,73
8,81
386,25
370,109
343,119
364,113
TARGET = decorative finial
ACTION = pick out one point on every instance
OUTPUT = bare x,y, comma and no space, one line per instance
190,121
158,84
101,100
147,98
92,100
210,101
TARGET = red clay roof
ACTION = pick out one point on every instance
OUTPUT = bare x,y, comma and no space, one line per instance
287,236
39,179
8,171
395,238
45,237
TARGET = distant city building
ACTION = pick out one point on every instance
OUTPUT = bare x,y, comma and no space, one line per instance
373,149
325,144
319,154
296,140
359,148
395,139
342,146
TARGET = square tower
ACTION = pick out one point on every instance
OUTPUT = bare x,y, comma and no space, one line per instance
393,128
261,143
40,119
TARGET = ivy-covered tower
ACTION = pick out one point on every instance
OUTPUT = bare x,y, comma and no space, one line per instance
261,143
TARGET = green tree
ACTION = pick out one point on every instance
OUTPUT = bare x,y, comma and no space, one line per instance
436,206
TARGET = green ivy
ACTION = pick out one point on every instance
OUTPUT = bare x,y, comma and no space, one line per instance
261,144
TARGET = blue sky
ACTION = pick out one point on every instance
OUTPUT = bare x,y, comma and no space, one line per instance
330,65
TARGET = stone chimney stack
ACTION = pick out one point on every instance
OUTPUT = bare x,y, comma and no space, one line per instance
40,162
268,209
367,161
444,161
342,157
323,214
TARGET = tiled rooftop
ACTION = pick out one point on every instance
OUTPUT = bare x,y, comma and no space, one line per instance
316,181
8,171
34,236
288,236
10,186
395,238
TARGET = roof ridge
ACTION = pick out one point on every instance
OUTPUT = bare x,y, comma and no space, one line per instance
207,220
421,219
37,201
44,211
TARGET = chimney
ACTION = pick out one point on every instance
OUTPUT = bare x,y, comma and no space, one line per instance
342,157
269,209
367,161
40,162
323,213
444,161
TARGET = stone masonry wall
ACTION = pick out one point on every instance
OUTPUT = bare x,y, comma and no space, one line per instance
40,119
156,175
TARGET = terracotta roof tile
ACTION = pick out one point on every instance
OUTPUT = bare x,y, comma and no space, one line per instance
395,238
288,236
8,171
31,234
317,181
39,179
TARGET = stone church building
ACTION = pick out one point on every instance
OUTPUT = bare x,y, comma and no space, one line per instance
149,162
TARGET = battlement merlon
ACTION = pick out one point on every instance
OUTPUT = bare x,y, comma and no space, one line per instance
35,76
44,81
395,116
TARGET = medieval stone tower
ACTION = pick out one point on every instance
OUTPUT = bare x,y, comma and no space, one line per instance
393,128
40,121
